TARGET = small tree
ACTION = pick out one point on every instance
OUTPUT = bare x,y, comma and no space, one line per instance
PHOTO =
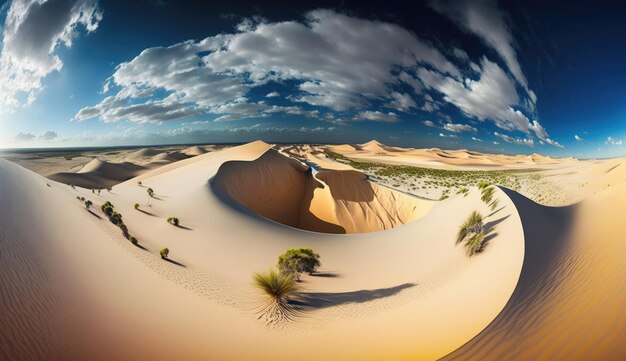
134,240
109,189
136,205
139,183
298,260
88,204
174,221
165,252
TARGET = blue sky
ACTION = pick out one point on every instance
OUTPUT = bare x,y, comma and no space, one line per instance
497,77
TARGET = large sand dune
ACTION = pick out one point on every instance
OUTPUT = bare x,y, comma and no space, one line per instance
286,191
549,284
205,309
570,301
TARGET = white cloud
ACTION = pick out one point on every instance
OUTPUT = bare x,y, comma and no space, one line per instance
487,21
49,135
460,54
377,116
327,56
448,135
24,137
477,139
272,95
429,123
514,140
496,143
31,36
402,102
612,141
455,128
578,138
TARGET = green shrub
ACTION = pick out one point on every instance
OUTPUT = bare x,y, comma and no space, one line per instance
298,260
279,289
473,224
276,285
483,185
472,233
165,252
487,194
174,221
88,204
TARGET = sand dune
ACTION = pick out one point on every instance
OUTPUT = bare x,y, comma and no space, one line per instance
376,151
99,174
194,151
286,191
570,301
143,153
549,284
168,157
90,265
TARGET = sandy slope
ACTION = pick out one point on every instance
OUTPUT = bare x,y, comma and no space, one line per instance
411,281
570,302
287,192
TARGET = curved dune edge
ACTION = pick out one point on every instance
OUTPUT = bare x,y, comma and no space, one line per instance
341,201
570,301
410,281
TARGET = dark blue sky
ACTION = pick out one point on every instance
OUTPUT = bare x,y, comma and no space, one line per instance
514,77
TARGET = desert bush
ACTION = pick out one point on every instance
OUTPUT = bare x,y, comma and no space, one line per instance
483,185
109,189
107,208
88,204
134,240
279,288
473,224
150,192
472,233
174,221
136,205
487,194
116,218
298,260
165,252
139,183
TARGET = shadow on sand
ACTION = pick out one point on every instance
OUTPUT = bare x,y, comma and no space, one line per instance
318,300
174,262
146,212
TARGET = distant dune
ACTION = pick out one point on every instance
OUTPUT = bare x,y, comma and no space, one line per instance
376,151
169,157
99,174
194,151
143,153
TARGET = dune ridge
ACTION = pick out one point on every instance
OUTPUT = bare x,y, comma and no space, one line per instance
570,301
